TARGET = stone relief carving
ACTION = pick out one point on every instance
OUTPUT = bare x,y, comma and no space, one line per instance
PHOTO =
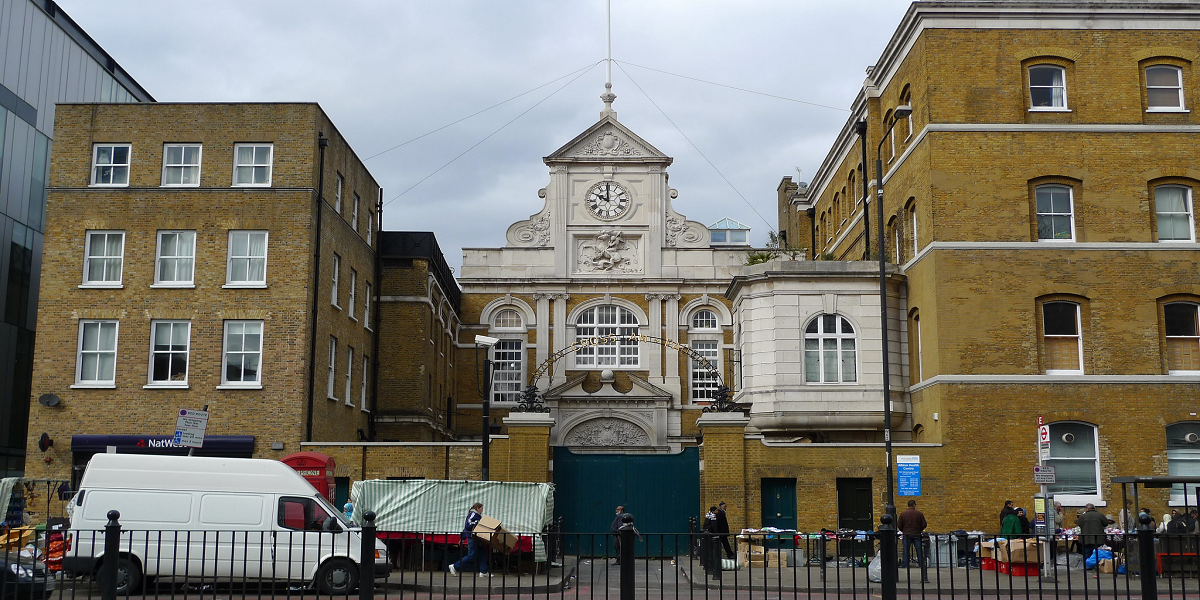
607,432
609,144
534,232
608,252
682,232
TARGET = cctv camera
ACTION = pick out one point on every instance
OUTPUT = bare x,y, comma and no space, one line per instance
486,341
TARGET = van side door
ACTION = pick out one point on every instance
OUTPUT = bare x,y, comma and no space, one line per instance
236,529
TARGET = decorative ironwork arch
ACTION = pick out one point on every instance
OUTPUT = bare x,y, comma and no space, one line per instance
532,402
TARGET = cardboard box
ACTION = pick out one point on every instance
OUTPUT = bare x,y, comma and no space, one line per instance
1108,565
987,549
1018,551
491,531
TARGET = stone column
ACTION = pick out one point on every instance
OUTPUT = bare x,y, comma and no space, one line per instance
561,337
671,378
543,329
528,446
723,460
654,329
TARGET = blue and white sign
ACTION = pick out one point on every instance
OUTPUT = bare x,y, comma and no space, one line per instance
190,428
908,475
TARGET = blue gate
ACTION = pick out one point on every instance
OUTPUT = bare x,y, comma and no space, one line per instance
661,491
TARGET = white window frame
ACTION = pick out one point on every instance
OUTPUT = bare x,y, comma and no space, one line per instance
181,235
839,337
337,194
151,382
104,259
1188,211
114,168
1078,338
370,226
362,396
1051,213
1178,87
253,165
248,257
1194,339
354,211
1064,107
181,167
367,308
915,246
353,299
704,319
256,383
624,354
80,352
702,385
506,371
333,284
331,380
1183,453
349,376
1079,499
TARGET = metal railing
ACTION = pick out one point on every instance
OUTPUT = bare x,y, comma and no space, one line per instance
629,564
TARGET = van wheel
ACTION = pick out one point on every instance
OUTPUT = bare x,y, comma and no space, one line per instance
339,576
129,576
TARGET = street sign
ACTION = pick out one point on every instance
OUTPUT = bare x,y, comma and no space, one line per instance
1044,474
1044,434
189,428
1044,452
908,474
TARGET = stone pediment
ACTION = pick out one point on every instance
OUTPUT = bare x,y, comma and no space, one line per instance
572,390
607,141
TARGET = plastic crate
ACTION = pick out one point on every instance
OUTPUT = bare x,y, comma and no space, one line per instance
989,564
1020,569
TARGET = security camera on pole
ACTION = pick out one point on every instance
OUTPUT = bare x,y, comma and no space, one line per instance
486,392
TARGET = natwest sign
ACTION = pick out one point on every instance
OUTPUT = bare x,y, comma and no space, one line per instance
214,445
152,443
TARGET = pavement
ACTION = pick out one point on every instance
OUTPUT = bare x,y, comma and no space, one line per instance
657,578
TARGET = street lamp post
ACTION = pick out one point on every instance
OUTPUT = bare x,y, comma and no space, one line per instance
486,393
890,501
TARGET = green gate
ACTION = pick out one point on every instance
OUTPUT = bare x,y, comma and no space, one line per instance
661,491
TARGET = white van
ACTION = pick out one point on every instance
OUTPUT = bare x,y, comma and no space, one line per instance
232,519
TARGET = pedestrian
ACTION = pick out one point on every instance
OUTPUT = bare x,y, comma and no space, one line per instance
723,528
1195,514
1146,511
1091,529
912,524
476,556
1026,528
1010,527
1007,510
1058,516
615,530
1178,523
1190,519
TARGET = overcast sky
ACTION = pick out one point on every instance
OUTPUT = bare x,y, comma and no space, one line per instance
388,72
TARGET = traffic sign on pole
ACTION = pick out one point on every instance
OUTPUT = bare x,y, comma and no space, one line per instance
1044,474
190,427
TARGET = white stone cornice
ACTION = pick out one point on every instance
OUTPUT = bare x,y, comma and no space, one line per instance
1054,380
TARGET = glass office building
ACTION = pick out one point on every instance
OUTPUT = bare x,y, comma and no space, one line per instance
45,58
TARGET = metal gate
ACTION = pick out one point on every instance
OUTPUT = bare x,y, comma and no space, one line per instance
661,491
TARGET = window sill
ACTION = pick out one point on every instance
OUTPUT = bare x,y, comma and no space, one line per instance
108,185
233,386
333,398
166,386
365,410
175,286
101,286
179,185
350,404
1176,241
336,306
353,319
1080,500
1183,372
245,286
251,185
94,386
1167,110
1063,372
1055,241
1050,110
368,328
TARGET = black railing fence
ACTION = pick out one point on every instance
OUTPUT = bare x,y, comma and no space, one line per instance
273,562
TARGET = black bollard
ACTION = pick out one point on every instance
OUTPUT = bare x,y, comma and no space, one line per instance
112,552
887,556
628,538
366,558
1146,563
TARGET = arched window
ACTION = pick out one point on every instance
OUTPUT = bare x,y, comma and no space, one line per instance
1074,454
1063,342
704,319
1047,87
1181,328
1173,207
1055,213
1164,88
830,354
1183,458
604,321
507,319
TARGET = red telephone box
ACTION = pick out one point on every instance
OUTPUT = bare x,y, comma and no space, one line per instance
316,468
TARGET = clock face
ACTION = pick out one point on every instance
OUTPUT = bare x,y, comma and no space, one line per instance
607,200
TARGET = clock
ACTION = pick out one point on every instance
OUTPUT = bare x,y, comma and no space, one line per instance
607,200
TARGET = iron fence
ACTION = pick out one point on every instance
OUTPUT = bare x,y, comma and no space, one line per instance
241,563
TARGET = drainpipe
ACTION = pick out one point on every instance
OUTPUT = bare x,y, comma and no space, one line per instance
812,232
378,326
323,143
861,128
